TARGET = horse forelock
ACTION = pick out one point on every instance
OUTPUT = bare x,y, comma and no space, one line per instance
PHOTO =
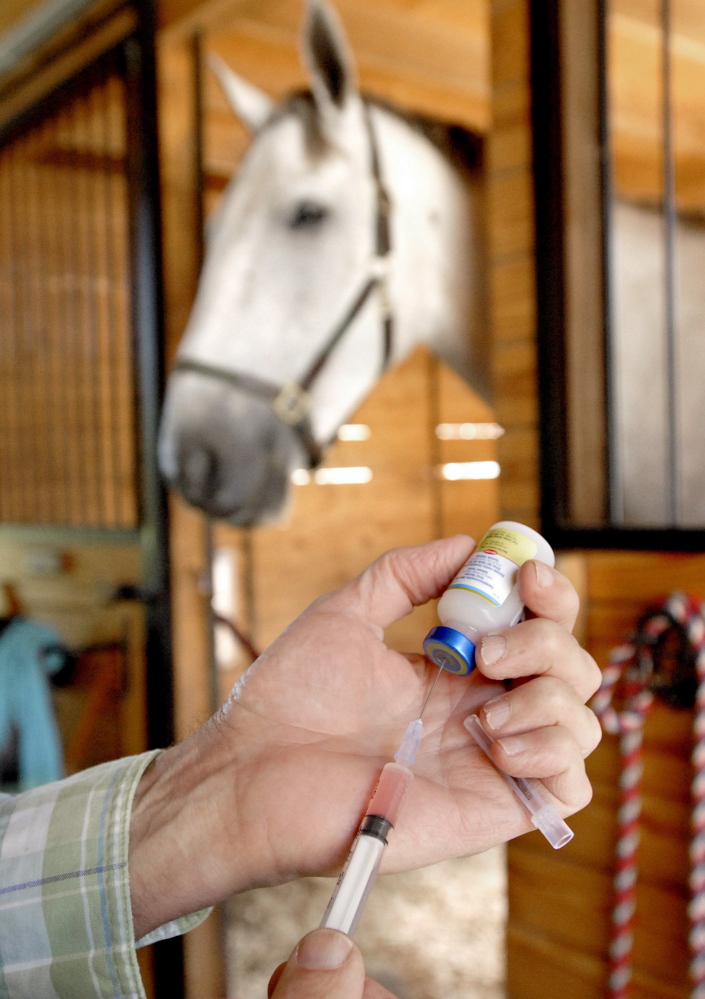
459,144
300,104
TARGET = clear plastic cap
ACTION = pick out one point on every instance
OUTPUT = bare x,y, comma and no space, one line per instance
556,831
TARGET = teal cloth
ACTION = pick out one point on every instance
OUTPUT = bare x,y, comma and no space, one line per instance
25,699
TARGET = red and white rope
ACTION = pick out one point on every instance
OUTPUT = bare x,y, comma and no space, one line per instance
630,667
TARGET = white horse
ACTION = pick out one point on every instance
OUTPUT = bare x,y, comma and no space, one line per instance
346,238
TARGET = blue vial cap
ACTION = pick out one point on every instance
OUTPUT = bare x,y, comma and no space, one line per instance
451,650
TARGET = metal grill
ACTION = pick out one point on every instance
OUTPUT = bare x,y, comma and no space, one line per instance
68,453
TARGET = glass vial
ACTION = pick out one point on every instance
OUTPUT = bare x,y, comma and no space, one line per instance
484,597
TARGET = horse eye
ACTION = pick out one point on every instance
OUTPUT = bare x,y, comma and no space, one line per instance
307,215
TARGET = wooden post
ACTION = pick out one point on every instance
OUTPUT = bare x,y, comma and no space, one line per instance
203,953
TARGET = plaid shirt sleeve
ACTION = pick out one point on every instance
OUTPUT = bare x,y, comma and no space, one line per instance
65,915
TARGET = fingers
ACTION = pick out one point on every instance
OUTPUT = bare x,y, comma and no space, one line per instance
551,754
541,703
548,593
402,579
326,964
539,647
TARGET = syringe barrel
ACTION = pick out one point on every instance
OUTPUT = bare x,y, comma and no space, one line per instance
357,877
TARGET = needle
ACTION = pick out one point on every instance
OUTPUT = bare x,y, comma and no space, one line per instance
428,695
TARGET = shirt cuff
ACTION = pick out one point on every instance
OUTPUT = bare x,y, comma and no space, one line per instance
67,925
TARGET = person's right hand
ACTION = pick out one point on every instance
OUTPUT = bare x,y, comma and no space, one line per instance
326,964
275,785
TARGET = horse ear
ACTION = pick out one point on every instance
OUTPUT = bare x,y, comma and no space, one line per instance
327,55
252,106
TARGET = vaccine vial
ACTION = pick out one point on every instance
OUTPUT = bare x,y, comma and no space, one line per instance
484,597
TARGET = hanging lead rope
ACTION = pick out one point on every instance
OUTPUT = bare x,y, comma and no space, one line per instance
632,667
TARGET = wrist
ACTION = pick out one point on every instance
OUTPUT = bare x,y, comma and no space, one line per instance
182,827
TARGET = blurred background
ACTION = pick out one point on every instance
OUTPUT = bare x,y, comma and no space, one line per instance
580,131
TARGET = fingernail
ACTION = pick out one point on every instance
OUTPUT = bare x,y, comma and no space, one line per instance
323,950
544,574
513,744
493,648
497,711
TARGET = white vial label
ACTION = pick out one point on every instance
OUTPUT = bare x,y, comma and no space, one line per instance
491,571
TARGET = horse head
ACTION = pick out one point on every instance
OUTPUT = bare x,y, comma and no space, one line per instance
344,238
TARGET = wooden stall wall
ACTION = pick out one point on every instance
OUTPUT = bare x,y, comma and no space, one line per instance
560,903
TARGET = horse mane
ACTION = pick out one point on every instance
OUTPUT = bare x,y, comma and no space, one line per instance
460,145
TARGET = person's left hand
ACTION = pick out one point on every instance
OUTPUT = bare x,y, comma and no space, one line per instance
274,786
326,964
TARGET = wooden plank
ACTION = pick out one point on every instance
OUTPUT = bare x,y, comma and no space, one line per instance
509,148
644,575
574,566
510,43
518,457
510,198
514,379
542,968
551,899
513,300
511,106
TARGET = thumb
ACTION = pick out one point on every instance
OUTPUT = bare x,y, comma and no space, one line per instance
401,579
326,964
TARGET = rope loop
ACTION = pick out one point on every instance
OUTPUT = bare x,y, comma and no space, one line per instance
674,630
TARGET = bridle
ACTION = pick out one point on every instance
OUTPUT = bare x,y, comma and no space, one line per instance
291,402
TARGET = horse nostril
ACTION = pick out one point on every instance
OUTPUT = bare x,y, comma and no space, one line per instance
199,473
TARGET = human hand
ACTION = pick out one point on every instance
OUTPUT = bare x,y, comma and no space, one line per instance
326,964
274,786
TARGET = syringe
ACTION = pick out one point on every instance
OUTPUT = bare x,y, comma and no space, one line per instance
361,867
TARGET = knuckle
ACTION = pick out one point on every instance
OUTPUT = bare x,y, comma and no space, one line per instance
553,697
593,674
545,633
584,795
596,727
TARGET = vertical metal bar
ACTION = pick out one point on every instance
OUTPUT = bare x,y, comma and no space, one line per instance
112,355
127,377
82,507
670,218
42,389
96,252
147,312
213,684
13,470
549,217
35,346
198,174
55,328
434,418
51,281
28,511
614,485
6,441
69,362
92,458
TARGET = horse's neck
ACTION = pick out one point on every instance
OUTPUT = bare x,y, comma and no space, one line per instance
436,269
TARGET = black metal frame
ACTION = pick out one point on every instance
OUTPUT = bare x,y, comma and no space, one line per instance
135,57
148,326
550,288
